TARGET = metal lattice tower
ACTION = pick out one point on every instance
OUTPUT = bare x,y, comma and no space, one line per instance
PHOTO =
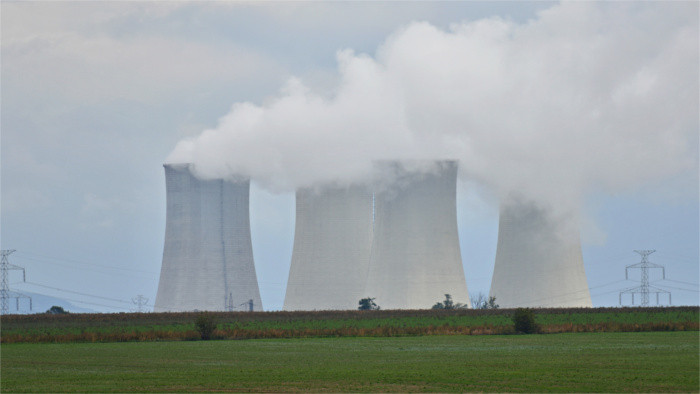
141,302
5,293
229,302
248,303
645,288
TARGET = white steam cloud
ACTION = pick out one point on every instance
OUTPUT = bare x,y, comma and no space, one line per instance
588,96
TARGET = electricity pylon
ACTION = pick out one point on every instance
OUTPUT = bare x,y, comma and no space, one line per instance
141,302
645,288
249,304
229,302
5,293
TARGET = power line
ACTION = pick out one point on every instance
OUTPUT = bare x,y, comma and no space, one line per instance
575,293
96,270
119,308
93,270
606,284
99,297
79,293
122,308
679,281
606,292
89,264
680,288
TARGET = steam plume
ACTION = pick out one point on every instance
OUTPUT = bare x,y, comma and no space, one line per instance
588,96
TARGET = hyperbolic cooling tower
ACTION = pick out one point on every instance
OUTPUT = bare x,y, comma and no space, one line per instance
208,255
415,258
332,240
538,260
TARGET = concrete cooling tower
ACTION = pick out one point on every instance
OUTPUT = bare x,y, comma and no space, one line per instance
415,258
208,255
538,260
332,240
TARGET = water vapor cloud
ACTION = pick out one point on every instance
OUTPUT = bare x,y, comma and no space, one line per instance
588,96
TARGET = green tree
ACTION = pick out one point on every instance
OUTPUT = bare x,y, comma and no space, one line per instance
448,304
205,325
524,321
56,310
491,304
367,304
480,301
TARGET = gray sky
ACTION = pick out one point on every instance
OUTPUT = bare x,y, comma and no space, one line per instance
588,106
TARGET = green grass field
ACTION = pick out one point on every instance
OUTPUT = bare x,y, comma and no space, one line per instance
592,362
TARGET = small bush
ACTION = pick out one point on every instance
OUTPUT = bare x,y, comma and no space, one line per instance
205,325
491,304
449,304
480,301
367,304
56,310
524,321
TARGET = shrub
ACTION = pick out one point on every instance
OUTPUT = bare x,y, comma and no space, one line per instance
367,304
448,304
524,321
491,304
56,310
480,301
205,325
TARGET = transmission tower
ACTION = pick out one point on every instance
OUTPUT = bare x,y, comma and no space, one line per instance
645,288
249,304
5,293
229,302
141,302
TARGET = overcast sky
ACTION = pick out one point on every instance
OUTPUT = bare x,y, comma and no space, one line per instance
588,106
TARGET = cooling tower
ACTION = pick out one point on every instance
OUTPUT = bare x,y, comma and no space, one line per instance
332,240
538,260
208,255
415,258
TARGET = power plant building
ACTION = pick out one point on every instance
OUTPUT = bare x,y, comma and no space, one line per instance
415,258
538,260
395,241
208,255
332,241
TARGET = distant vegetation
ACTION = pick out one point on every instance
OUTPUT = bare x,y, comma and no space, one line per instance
368,304
480,301
205,325
76,327
56,310
449,304
524,321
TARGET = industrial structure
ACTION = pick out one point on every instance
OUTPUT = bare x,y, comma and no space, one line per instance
208,254
332,241
538,259
5,293
644,288
415,258
394,240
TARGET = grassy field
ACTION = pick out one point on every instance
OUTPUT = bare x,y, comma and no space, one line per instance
242,325
591,362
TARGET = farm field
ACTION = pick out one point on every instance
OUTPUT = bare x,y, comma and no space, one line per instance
591,362
255,325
